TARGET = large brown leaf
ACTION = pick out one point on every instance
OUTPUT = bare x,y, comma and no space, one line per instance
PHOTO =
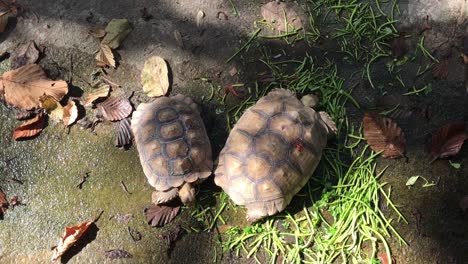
160,215
23,87
115,109
383,134
448,140
277,12
71,235
30,128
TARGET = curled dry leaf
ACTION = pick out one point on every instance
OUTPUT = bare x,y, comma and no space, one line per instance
23,87
160,215
30,128
383,134
441,69
123,135
24,54
70,113
115,109
117,30
448,140
102,91
277,12
71,235
200,16
105,57
117,254
155,77
97,32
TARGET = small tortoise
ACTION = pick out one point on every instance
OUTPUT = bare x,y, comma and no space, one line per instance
174,149
271,153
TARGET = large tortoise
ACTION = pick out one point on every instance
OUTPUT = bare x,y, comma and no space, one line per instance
174,149
272,152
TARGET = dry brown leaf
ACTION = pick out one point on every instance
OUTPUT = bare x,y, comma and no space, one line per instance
115,109
155,77
123,134
30,128
160,215
383,134
71,235
441,69
70,113
105,57
97,32
275,12
24,54
102,91
4,14
23,87
448,140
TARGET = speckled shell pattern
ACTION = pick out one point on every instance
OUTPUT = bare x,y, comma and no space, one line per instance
172,142
271,153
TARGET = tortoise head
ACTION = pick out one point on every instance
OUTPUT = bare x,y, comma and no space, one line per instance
187,193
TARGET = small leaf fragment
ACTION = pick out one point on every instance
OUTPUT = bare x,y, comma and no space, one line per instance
448,140
160,215
383,134
277,13
155,77
117,254
200,16
117,30
71,235
70,113
30,128
105,57
23,87
102,91
412,180
114,108
24,54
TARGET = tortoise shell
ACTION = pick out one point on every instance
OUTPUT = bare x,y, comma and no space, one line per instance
271,153
172,142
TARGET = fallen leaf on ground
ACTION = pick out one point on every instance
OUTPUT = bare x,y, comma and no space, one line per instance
117,30
399,47
115,109
97,32
4,14
105,57
117,254
200,16
52,107
441,69
23,87
24,54
155,77
448,140
383,134
71,235
160,215
102,91
30,128
3,203
70,113
276,14
123,134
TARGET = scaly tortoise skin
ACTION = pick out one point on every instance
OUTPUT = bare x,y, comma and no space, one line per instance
271,153
174,149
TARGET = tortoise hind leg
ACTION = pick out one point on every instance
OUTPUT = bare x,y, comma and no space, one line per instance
159,197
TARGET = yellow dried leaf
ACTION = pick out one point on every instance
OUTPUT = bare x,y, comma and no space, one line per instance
105,57
155,77
102,91
70,113
71,235
52,107
23,87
